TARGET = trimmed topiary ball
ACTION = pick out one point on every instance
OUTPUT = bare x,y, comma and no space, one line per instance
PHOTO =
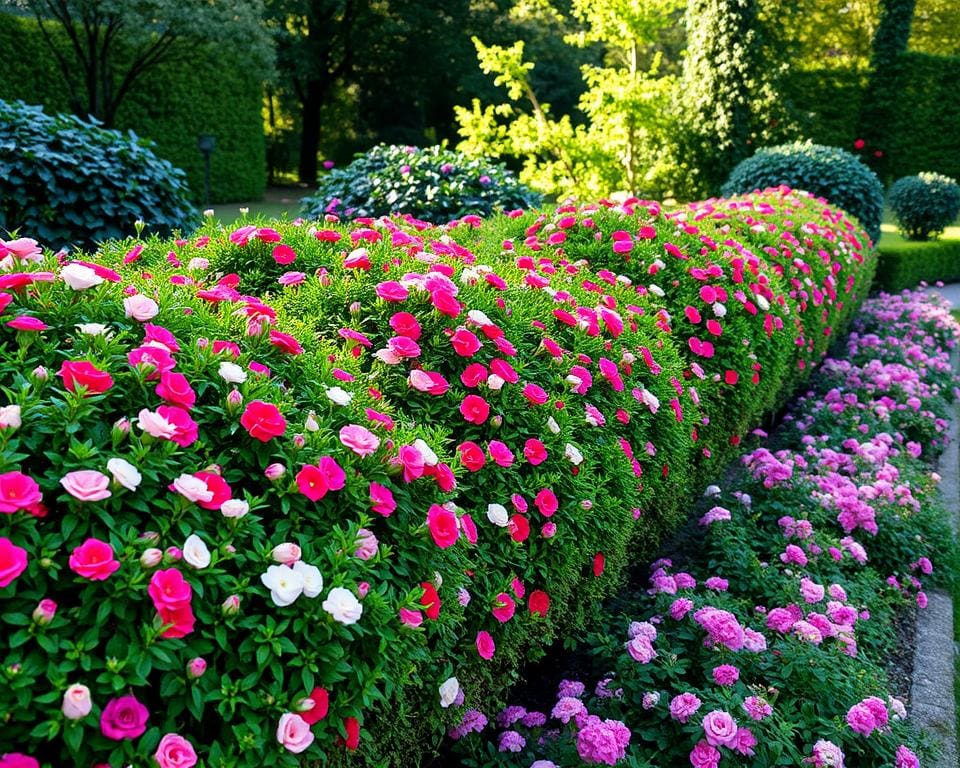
70,182
433,184
829,172
924,204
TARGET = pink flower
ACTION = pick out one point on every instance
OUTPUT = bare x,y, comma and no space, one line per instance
684,706
87,485
443,526
703,755
381,500
176,390
726,674
410,458
504,608
861,719
174,751
720,729
359,439
546,502
757,707
405,324
13,561
263,421
76,703
27,323
500,453
294,733
535,394
18,491
474,409
485,645
283,254
123,718
367,545
313,481
93,560
905,758
465,343
411,618
391,290
140,308
534,451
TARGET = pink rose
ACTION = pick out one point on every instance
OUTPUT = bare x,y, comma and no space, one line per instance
124,718
683,706
359,439
443,526
140,307
87,485
93,560
720,729
76,702
13,561
367,545
381,500
174,751
504,608
474,409
485,645
287,553
17,760
704,756
18,491
294,733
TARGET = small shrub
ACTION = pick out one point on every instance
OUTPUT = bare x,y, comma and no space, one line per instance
828,172
434,184
924,204
69,182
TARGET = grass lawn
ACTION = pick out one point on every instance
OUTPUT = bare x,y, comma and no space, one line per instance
277,203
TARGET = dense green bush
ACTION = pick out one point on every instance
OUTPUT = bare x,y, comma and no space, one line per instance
434,184
828,172
172,105
924,205
70,182
908,264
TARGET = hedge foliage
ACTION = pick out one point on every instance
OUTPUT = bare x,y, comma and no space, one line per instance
909,264
73,183
924,205
466,431
828,171
172,105
435,184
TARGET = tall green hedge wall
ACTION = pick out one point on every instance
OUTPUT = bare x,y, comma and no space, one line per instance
925,135
173,104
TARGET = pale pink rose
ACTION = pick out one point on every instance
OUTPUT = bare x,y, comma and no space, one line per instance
359,439
151,557
87,485
192,488
286,552
79,277
76,702
174,751
154,424
10,417
294,733
234,508
367,545
140,307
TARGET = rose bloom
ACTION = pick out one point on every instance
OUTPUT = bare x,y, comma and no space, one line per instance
124,718
443,526
174,751
683,706
13,561
294,733
343,605
76,702
87,485
720,729
367,545
93,560
82,373
124,473
18,491
141,308
359,439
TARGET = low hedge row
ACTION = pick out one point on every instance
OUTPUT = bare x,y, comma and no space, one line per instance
297,485
767,639
910,264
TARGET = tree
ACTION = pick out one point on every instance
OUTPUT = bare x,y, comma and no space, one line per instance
729,99
110,44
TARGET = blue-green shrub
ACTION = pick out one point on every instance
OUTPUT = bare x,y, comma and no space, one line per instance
924,204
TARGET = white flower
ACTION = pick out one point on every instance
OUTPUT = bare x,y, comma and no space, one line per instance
575,382
448,691
195,552
573,455
234,508
712,490
141,308
79,277
339,395
154,424
311,424
497,514
232,373
343,605
310,575
94,329
656,290
429,457
476,316
553,426
719,310
197,263
125,473
285,584
10,417
762,302
192,488
494,382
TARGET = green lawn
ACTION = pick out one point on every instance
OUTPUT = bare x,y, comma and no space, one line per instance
277,203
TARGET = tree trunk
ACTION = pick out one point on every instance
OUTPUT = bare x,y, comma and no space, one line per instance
310,132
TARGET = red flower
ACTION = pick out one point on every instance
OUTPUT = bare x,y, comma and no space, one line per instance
321,703
284,254
286,343
352,727
473,375
471,456
599,561
217,486
474,409
546,502
176,390
82,373
430,600
535,451
263,421
311,482
443,526
539,603
465,343
519,528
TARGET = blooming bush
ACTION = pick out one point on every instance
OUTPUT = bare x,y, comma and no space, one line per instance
833,173
770,647
282,482
70,182
432,183
925,204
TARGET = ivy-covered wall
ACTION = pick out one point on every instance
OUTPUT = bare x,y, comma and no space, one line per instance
172,105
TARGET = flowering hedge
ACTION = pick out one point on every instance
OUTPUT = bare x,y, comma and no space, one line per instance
267,487
772,646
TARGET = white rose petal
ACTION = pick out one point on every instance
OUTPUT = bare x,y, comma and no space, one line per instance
711,490
234,508
125,473
310,575
10,417
497,514
656,290
93,329
339,395
448,691
476,316
285,584
79,277
573,455
719,310
553,426
232,373
495,383
192,488
195,552
429,457
343,605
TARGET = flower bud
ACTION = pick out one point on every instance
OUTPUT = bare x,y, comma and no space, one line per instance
234,399
149,536
196,667
122,425
231,606
275,472
362,588
299,441
40,373
174,553
496,421
549,530
43,614
311,424
234,508
287,553
151,558
76,702
355,308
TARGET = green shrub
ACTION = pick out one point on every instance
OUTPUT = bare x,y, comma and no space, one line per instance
924,205
827,172
907,265
433,184
69,182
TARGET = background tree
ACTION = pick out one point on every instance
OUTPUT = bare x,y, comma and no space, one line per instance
112,43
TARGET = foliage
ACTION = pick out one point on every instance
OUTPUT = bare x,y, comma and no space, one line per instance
728,97
910,264
72,183
150,32
474,409
768,643
830,172
210,93
626,142
924,205
434,184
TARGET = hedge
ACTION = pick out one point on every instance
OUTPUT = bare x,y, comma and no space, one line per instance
461,435
906,265
172,105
